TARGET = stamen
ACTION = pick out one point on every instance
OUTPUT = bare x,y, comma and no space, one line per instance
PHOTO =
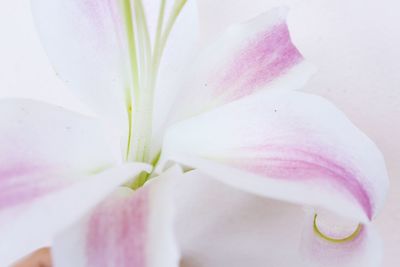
336,230
133,60
176,10
144,63
159,28
143,108
131,37
143,40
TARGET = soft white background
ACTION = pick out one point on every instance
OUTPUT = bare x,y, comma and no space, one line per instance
354,43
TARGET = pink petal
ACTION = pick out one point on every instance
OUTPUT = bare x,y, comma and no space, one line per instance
44,148
265,58
258,54
130,228
286,145
123,245
54,166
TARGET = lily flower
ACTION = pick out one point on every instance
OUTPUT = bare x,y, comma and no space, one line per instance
180,145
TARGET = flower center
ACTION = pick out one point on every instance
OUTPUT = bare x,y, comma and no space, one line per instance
334,229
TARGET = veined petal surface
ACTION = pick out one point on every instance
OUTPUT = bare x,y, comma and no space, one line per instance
285,145
53,168
242,229
129,228
257,54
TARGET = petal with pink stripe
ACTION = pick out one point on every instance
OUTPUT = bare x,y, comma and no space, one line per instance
125,239
242,229
54,166
41,145
129,228
285,145
257,54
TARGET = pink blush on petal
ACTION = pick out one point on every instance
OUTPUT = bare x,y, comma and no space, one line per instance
117,232
325,253
263,60
298,164
22,183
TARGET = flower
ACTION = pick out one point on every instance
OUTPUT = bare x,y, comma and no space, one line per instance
228,115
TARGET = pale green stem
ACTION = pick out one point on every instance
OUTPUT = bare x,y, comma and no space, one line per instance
144,39
159,29
134,66
142,107
178,6
152,69
160,42
143,25
140,115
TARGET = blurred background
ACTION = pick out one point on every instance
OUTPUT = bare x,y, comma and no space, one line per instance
354,43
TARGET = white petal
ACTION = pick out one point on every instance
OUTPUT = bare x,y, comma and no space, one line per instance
254,55
218,225
130,228
286,145
33,224
86,43
108,52
51,172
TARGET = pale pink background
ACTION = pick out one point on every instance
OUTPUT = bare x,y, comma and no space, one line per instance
354,43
